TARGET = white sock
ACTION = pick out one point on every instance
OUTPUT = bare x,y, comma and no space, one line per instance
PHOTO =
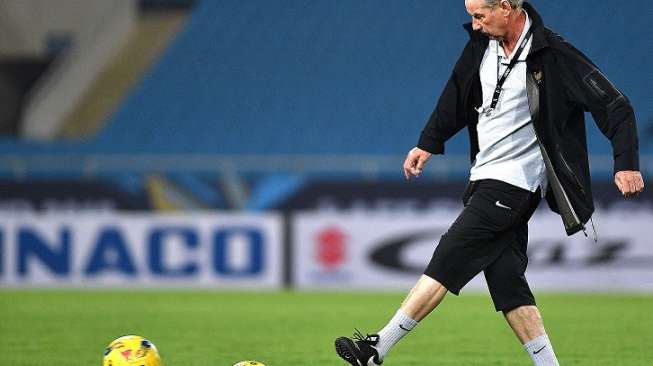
541,351
400,325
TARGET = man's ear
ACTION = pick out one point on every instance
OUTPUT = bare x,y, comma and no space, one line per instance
505,7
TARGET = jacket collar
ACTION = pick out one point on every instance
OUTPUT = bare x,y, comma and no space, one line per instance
539,35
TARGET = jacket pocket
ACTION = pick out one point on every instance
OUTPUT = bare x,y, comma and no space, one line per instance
601,87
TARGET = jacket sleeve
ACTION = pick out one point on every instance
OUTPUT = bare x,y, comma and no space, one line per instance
448,116
611,109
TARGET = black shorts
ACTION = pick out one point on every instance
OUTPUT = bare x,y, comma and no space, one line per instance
489,235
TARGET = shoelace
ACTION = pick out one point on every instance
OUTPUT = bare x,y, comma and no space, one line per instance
370,339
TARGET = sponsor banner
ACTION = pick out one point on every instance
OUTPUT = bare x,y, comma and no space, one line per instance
390,251
197,250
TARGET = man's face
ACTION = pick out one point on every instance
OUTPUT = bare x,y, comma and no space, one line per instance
489,21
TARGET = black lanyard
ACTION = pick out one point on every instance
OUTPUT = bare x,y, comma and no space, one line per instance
497,91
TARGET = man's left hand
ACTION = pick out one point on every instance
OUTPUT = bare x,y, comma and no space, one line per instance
629,182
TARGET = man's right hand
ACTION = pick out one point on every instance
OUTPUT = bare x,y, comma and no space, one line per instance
415,161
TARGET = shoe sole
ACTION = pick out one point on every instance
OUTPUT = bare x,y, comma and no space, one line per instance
344,347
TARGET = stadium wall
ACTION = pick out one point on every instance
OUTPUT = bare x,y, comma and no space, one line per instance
306,251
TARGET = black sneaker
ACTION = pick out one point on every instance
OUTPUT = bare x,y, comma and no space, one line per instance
360,350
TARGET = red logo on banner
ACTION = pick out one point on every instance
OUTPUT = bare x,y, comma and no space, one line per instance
331,247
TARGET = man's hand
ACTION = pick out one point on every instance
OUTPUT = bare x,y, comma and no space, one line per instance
629,182
415,161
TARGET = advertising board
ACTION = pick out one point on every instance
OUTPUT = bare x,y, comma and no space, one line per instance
199,250
388,251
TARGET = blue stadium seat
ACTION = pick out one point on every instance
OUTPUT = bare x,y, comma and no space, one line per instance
337,77
325,76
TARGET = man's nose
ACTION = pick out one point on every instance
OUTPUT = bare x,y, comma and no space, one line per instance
476,25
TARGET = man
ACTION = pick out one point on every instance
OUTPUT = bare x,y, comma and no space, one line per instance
521,91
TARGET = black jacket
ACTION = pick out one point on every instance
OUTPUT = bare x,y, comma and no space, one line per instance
562,84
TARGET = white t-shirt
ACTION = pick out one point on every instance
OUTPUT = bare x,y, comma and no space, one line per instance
509,151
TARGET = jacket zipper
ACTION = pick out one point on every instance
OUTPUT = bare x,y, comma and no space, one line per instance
554,178
571,172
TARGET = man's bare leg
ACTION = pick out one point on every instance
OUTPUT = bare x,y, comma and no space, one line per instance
425,296
527,324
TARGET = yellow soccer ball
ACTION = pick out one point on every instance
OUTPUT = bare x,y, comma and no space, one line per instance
249,363
131,350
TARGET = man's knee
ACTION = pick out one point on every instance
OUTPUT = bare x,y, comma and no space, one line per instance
527,314
526,322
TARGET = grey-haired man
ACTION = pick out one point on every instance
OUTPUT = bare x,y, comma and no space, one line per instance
521,90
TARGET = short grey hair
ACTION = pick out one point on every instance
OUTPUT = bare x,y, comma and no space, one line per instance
515,4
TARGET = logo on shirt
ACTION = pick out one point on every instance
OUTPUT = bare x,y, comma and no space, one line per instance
539,76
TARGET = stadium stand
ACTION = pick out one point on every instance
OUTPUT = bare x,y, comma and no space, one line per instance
151,35
323,79
317,77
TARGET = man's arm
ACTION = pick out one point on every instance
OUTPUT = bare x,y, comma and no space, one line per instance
612,112
445,121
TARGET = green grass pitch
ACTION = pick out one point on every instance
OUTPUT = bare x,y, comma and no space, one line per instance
215,328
